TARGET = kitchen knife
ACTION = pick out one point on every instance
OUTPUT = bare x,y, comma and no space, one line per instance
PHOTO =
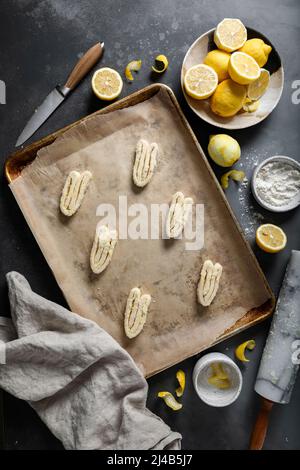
280,360
59,94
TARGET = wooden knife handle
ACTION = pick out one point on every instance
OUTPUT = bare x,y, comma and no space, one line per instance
260,429
84,65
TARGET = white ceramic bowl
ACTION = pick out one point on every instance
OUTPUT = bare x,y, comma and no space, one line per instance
196,54
287,207
208,393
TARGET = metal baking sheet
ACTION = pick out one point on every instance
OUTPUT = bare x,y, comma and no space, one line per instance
177,327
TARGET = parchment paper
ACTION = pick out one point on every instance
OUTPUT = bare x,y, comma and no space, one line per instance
177,327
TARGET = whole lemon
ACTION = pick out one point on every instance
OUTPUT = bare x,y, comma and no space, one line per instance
258,49
219,61
223,149
228,98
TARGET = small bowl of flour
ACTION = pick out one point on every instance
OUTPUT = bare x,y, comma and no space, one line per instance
276,184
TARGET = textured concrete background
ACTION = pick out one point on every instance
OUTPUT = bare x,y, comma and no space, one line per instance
39,43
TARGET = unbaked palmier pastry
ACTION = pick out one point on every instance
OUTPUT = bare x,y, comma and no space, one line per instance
145,162
178,214
136,312
103,248
74,191
209,282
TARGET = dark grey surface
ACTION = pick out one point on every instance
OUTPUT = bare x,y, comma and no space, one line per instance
40,41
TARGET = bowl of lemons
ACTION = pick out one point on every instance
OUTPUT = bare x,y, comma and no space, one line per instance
232,76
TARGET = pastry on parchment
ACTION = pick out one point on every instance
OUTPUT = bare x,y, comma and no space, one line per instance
209,282
136,312
103,248
145,162
73,192
178,214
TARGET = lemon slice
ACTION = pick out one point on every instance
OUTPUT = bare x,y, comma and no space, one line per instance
257,88
133,66
270,238
200,81
230,34
107,84
240,350
161,64
243,69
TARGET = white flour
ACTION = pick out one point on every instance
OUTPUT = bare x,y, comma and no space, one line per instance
277,183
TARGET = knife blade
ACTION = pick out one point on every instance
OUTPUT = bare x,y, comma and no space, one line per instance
60,93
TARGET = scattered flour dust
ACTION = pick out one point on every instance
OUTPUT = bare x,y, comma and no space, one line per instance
250,218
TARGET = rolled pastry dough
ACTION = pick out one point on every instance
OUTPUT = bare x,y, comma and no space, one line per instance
136,312
103,248
73,192
209,282
145,162
179,211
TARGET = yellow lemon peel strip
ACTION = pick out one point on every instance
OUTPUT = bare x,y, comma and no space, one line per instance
240,350
170,400
180,375
218,371
133,66
161,64
219,383
236,175
250,106
219,378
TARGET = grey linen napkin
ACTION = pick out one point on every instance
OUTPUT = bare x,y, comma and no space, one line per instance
83,385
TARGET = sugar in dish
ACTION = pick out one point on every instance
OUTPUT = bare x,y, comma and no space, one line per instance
276,184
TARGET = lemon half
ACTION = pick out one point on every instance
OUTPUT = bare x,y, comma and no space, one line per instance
230,34
243,69
107,84
200,81
270,238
